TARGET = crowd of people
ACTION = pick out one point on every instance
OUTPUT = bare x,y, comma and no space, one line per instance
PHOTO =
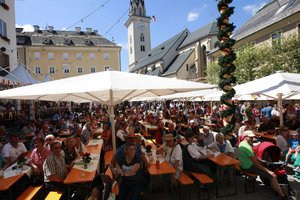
183,138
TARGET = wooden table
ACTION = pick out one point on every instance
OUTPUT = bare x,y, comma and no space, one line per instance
7,183
80,176
224,160
164,169
147,127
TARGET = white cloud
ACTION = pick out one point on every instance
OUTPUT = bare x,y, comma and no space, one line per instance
194,14
253,8
26,27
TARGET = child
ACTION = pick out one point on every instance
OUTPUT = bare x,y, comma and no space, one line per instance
292,143
297,163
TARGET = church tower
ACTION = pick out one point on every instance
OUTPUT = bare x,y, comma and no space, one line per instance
138,27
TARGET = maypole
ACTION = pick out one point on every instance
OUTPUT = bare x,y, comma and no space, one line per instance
227,79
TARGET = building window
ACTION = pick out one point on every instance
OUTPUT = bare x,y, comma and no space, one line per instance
93,69
106,56
66,68
130,40
37,55
50,56
3,29
142,38
107,68
37,70
142,47
130,50
92,56
52,70
187,67
276,38
65,56
79,70
79,56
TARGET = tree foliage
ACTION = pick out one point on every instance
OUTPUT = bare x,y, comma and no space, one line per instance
258,61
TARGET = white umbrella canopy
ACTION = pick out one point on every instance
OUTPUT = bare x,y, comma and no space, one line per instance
98,87
284,83
109,87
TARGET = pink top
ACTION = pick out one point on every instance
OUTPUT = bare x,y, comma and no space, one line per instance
38,158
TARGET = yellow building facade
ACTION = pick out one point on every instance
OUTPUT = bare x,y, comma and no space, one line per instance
61,54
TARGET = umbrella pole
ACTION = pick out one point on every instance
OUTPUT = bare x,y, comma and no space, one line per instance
279,102
112,121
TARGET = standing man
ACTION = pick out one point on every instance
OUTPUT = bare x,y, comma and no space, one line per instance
249,163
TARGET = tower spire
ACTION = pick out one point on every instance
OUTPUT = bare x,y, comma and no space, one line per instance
137,8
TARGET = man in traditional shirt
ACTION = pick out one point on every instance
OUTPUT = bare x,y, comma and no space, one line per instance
54,168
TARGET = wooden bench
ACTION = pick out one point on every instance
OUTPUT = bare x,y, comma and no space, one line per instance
29,193
202,179
184,180
250,179
54,195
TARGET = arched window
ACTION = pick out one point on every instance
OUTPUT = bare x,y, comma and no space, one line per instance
130,39
142,38
141,11
142,47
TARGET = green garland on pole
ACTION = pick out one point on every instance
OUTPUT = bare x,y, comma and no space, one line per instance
227,79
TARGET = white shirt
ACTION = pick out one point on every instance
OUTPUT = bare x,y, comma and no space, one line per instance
195,151
13,153
176,155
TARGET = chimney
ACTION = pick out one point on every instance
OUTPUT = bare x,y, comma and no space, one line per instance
77,29
36,28
89,30
50,28
95,31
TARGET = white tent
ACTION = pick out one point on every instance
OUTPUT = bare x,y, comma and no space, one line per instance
22,75
109,87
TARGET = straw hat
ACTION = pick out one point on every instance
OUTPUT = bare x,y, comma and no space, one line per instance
169,137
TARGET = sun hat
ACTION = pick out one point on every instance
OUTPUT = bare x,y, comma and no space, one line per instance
169,137
248,134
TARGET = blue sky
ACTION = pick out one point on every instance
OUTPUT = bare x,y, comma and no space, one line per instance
109,16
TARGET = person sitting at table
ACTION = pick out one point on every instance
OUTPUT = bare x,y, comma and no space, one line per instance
80,147
292,122
195,157
249,163
55,169
193,128
206,137
223,146
121,133
49,140
266,125
38,156
106,135
248,125
281,140
160,132
293,142
132,179
69,152
86,133
14,150
172,152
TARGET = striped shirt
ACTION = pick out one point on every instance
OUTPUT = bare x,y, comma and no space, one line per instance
54,165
